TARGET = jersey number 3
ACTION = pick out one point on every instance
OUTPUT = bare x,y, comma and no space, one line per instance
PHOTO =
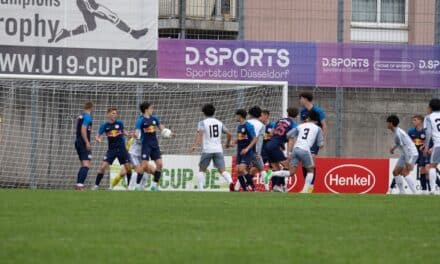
306,133
213,131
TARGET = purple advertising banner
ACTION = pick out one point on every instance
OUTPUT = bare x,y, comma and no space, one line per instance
369,65
237,60
302,64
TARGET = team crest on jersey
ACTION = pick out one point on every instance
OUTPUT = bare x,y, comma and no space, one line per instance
243,130
422,136
116,126
144,156
154,122
105,157
89,156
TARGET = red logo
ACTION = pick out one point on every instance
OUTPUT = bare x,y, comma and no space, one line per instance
350,178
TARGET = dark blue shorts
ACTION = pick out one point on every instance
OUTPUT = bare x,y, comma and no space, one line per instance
422,161
152,152
83,152
245,159
264,154
120,154
275,153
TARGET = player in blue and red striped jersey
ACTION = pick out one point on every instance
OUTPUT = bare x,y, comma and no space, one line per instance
115,132
305,100
246,140
82,143
274,148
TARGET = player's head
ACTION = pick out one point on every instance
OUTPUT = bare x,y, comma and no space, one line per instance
313,116
112,113
240,115
292,112
305,97
208,110
417,120
88,106
392,121
146,108
264,118
255,112
434,104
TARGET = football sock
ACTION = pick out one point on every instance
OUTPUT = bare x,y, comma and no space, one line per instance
128,175
249,181
423,181
99,178
123,26
227,177
82,175
399,183
139,178
201,177
157,175
432,178
308,182
263,175
411,184
116,180
242,183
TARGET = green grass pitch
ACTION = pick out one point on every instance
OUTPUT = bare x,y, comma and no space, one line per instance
166,227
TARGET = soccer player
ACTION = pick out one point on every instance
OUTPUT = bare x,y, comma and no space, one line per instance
82,143
418,135
274,148
246,140
257,161
306,101
146,131
268,130
432,130
209,132
92,10
408,155
307,134
115,132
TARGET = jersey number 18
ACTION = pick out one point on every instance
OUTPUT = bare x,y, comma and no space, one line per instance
213,131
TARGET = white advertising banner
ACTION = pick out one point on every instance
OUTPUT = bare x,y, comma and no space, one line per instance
110,38
180,174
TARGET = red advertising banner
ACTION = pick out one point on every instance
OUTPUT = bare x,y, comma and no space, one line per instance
351,175
337,175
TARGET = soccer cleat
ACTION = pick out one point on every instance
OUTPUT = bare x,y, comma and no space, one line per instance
268,176
139,33
94,188
310,189
232,187
79,187
277,188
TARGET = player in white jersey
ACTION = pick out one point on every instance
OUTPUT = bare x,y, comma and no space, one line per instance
259,127
432,130
408,155
134,147
306,134
209,132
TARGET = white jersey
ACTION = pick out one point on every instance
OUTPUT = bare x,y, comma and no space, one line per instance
212,130
306,135
404,143
432,128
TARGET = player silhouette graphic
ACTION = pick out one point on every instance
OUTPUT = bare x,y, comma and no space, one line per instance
90,10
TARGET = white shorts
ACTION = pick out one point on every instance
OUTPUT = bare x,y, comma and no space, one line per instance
404,160
435,155
136,160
